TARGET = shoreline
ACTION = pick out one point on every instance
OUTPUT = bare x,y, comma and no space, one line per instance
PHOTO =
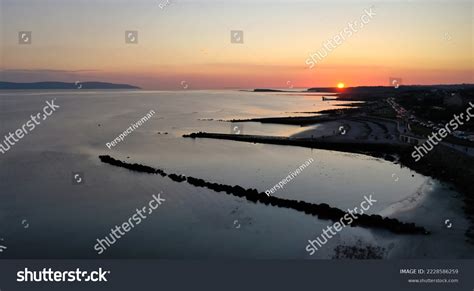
442,163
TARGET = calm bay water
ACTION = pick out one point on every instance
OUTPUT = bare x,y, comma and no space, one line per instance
65,219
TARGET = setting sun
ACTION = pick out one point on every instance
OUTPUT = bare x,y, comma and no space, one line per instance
340,85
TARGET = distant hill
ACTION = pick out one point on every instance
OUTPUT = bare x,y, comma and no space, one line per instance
382,89
375,92
63,85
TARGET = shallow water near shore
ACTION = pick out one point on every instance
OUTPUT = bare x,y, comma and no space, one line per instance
65,218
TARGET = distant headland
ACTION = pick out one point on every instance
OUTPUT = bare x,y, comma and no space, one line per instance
63,85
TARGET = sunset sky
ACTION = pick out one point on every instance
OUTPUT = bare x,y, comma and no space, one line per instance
422,42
